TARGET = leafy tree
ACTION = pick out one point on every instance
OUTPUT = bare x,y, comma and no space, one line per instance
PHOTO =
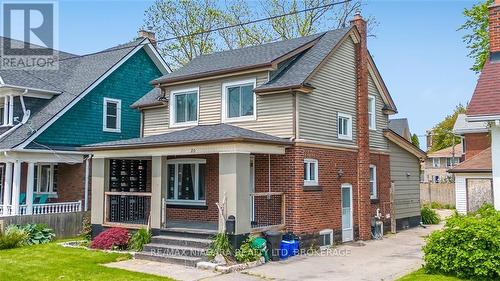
442,136
191,20
477,39
415,141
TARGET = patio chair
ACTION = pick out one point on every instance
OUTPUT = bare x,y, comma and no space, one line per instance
42,199
22,198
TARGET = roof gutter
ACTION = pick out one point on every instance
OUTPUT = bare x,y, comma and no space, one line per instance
29,88
26,116
483,118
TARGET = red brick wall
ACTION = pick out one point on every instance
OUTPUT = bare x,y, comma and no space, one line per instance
70,182
475,143
494,27
381,161
212,195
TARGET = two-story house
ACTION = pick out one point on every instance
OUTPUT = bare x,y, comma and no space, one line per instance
435,167
46,114
287,135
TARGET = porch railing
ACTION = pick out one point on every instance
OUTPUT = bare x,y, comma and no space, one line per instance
127,208
268,210
42,209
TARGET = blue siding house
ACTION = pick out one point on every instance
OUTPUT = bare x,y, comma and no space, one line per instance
46,115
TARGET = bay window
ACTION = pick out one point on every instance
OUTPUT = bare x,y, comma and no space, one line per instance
238,101
186,181
184,106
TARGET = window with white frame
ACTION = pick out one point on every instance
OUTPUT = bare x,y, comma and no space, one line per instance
344,123
372,113
238,100
325,238
310,172
45,178
186,181
452,161
373,182
436,162
184,107
112,115
7,111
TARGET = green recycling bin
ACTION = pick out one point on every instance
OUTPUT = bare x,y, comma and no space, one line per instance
259,244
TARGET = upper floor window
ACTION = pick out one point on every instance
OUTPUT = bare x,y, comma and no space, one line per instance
344,126
112,115
436,162
452,161
7,111
372,113
184,107
310,172
238,101
373,182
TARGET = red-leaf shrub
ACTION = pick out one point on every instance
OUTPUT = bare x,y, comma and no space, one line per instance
110,239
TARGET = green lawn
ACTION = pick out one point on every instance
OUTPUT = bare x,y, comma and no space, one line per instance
54,262
420,275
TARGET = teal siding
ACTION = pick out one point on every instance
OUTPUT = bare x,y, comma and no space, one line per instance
83,123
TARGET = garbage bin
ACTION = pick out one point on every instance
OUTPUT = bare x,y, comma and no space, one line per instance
260,244
274,244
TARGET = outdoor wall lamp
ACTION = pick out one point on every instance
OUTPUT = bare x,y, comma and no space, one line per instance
340,173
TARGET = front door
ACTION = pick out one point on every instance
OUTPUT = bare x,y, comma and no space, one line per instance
252,188
347,228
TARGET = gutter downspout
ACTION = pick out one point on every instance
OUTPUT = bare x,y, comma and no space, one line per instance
26,116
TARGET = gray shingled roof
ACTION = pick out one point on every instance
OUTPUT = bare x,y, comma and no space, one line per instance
237,59
72,78
399,126
296,74
198,134
149,99
462,126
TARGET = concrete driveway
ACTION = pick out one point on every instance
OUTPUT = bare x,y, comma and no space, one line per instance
387,259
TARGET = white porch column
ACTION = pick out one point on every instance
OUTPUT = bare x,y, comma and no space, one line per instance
7,187
234,180
29,188
157,192
16,187
98,187
495,158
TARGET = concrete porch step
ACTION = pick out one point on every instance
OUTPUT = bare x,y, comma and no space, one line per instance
174,250
181,241
188,233
182,260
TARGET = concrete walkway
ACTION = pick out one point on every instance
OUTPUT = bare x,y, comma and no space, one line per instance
387,259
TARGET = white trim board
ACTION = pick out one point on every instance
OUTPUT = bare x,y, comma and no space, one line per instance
82,95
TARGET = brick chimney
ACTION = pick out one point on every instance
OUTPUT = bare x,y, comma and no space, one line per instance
363,190
149,35
494,29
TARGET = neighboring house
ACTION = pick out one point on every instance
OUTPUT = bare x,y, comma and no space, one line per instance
401,127
46,115
473,177
435,167
485,103
287,135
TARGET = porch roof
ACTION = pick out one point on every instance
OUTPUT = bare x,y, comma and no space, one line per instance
200,134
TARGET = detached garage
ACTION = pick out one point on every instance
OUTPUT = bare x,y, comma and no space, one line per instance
405,161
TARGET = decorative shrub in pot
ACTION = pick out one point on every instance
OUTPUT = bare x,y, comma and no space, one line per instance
110,239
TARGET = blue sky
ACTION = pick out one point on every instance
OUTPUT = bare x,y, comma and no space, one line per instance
417,49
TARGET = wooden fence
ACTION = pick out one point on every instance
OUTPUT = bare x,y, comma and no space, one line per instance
443,193
65,225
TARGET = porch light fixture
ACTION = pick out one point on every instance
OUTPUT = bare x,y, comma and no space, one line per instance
340,173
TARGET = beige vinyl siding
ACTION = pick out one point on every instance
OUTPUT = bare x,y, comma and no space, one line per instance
335,92
407,188
155,121
377,139
274,112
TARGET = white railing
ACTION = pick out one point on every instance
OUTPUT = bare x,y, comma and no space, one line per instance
43,209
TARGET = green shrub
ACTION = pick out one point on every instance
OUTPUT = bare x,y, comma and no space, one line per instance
468,246
13,237
221,246
86,232
140,238
429,216
245,253
437,205
38,233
